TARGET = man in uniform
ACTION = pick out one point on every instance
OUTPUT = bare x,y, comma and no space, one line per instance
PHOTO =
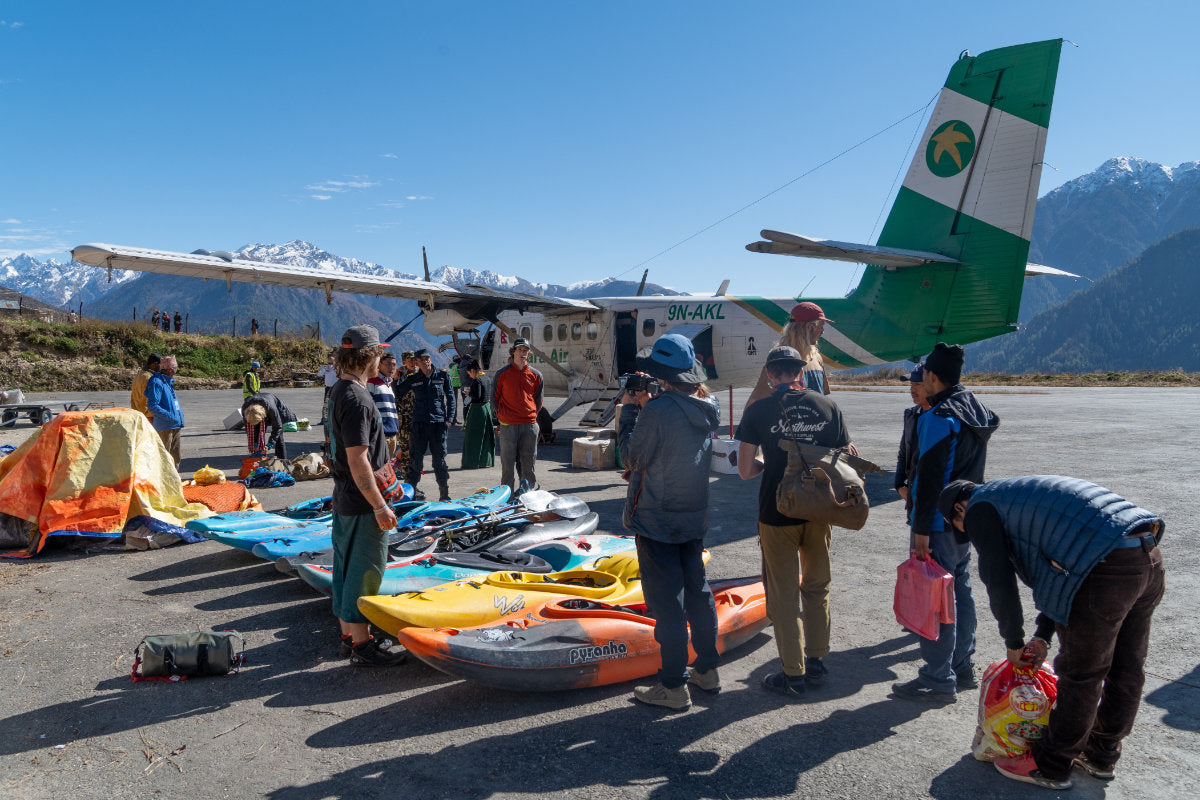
251,382
433,408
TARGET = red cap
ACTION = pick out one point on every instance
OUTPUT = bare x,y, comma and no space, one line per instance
808,312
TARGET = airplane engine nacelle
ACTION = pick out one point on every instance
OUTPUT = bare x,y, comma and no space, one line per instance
445,321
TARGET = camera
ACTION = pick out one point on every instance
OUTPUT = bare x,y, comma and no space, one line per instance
638,383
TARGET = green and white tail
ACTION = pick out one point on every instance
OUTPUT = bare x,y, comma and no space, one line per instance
951,258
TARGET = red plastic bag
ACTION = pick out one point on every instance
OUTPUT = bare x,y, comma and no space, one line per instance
924,597
1014,709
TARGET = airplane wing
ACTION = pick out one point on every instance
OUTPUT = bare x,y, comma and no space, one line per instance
473,302
791,244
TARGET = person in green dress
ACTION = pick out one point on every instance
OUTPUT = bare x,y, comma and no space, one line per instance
479,426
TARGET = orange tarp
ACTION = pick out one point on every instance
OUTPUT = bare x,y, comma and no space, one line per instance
90,471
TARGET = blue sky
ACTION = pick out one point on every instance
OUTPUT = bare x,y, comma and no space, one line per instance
558,141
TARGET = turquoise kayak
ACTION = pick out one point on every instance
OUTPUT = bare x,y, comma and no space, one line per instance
284,543
434,569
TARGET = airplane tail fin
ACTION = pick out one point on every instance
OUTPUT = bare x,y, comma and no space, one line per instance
970,194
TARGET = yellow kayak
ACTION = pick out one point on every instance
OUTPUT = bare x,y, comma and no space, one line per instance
613,579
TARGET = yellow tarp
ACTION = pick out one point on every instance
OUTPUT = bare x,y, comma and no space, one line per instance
91,471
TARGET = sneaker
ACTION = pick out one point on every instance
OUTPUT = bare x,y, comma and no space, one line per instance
915,690
1093,768
418,494
659,695
814,671
347,644
785,685
707,681
445,498
377,653
1024,769
966,680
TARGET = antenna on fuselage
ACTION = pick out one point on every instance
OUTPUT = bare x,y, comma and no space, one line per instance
425,258
642,285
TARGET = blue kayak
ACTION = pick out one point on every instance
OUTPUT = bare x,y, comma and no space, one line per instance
434,569
320,507
284,543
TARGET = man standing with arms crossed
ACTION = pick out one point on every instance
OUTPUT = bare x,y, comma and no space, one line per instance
952,438
795,413
433,408
361,517
517,389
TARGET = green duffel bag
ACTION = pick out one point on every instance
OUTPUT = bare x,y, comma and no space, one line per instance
176,656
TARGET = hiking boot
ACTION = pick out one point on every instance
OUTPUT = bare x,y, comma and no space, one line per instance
659,695
1024,769
1094,768
707,681
418,494
966,680
345,646
445,493
791,687
814,671
377,653
915,690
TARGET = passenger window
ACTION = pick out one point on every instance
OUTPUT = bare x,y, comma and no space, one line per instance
526,332
548,333
562,331
576,332
593,330
648,328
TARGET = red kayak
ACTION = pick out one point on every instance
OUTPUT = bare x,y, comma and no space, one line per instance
570,643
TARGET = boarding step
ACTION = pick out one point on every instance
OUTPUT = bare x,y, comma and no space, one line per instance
603,409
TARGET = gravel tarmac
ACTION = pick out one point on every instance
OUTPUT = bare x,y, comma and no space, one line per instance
299,724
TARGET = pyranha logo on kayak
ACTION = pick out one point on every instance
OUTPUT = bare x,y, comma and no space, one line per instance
506,606
603,652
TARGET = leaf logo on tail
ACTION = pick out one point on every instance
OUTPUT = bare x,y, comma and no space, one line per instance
950,149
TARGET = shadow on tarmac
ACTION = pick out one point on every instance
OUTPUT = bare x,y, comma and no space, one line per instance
1180,699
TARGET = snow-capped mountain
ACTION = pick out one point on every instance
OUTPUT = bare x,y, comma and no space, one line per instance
56,283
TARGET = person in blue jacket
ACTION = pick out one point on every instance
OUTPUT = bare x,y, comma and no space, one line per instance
666,445
1092,560
163,403
432,411
952,439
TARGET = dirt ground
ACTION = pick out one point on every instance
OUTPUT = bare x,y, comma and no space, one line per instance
299,724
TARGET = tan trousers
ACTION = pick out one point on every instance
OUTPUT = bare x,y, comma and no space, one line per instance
789,551
170,440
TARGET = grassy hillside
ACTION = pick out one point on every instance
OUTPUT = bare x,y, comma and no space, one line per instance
95,355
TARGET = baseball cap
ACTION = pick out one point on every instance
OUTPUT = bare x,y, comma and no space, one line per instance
785,355
522,342
808,312
361,336
673,358
916,376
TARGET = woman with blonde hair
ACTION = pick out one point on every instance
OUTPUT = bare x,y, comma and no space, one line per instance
805,325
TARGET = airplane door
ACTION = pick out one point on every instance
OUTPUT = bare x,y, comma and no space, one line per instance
625,335
701,338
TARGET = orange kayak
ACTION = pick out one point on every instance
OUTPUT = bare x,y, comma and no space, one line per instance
569,643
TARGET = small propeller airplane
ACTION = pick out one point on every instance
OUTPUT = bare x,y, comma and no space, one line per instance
948,266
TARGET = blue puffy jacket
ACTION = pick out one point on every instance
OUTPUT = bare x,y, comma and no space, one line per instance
162,402
952,439
1068,521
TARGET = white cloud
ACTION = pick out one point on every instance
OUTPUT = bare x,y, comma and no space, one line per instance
388,155
321,196
340,186
7,24
11,221
418,197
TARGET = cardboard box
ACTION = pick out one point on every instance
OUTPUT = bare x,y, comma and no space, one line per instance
589,453
724,456
234,422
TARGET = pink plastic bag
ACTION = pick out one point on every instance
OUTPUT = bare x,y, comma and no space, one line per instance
924,597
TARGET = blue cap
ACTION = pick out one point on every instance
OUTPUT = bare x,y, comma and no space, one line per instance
673,358
917,375
255,364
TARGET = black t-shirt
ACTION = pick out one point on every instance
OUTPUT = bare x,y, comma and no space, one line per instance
353,422
811,418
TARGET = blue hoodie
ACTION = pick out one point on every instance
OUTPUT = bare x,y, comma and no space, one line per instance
162,403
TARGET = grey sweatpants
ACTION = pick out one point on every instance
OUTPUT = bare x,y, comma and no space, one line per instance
518,447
